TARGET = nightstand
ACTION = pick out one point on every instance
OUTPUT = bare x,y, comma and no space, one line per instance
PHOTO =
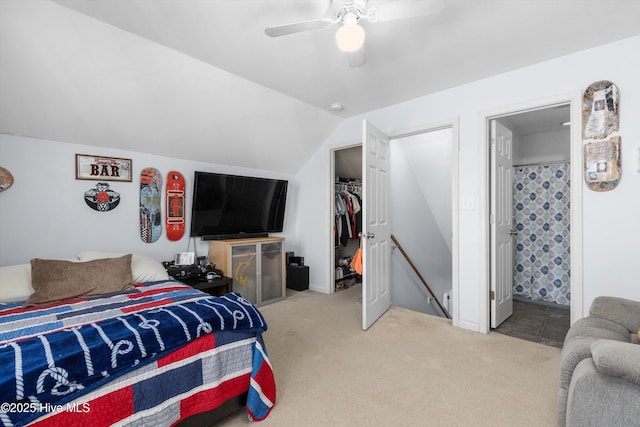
215,287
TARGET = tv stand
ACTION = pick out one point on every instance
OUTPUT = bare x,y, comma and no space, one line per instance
235,236
256,266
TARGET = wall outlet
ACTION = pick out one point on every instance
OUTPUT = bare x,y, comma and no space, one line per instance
468,204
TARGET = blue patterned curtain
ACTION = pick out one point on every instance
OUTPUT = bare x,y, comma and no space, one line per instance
541,213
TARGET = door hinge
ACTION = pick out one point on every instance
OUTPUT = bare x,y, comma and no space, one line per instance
492,295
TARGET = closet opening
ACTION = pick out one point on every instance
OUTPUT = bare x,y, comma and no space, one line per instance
347,218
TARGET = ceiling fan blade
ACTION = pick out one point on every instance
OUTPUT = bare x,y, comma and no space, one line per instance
357,58
404,9
298,27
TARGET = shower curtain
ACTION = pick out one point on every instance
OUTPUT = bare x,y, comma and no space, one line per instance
541,217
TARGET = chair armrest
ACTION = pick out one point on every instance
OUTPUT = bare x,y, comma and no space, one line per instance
617,359
622,311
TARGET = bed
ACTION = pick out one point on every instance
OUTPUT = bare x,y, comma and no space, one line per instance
155,352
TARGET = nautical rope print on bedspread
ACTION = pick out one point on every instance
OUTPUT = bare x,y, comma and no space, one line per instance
56,353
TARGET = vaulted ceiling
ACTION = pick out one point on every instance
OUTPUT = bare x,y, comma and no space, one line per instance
200,80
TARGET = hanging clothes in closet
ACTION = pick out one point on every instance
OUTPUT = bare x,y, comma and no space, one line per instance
348,212
347,228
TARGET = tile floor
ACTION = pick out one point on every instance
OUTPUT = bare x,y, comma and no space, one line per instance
538,322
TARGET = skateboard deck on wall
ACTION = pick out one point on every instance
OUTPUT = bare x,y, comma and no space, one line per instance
150,216
175,205
600,136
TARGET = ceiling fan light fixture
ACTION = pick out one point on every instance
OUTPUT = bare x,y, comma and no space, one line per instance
350,36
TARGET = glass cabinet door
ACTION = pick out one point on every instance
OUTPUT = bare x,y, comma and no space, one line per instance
244,271
271,269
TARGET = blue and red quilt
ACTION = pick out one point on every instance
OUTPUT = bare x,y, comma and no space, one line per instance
159,353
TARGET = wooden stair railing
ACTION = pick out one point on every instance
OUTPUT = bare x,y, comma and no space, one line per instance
424,282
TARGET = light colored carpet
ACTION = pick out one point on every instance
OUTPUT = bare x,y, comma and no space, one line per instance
408,369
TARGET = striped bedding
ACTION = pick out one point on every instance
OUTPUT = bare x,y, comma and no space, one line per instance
150,356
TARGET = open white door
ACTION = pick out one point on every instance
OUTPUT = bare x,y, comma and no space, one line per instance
501,219
376,244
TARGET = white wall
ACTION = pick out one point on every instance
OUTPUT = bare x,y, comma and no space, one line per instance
44,214
609,219
428,155
544,147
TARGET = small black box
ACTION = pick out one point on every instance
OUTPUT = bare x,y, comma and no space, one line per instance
296,261
298,277
183,271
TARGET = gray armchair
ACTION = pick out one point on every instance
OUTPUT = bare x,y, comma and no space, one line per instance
600,367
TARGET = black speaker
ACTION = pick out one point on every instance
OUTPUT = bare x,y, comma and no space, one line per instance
298,277
288,256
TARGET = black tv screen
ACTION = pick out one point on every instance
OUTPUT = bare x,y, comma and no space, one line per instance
233,206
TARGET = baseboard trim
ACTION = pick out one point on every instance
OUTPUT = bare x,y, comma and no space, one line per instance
470,326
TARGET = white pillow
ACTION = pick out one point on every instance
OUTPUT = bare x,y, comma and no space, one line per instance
143,268
15,283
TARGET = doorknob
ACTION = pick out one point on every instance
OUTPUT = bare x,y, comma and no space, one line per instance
370,235
513,232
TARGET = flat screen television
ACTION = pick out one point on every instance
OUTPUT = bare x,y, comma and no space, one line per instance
233,206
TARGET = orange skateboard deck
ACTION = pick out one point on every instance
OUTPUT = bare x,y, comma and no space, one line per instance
175,205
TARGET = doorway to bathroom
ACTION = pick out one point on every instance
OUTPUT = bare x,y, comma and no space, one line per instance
531,160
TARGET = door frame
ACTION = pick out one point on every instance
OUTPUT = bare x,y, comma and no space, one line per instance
454,125
574,100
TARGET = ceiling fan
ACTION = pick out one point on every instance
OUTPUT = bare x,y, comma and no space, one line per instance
346,13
